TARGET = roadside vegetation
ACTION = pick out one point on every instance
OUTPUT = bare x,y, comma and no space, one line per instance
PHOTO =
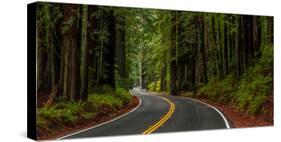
51,118
251,92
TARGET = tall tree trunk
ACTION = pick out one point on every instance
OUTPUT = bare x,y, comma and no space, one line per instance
76,57
204,44
100,61
221,48
259,36
173,62
120,49
214,33
62,72
239,42
225,48
140,73
242,43
250,39
163,77
84,54
49,44
196,72
71,48
255,34
246,40
40,65
92,37
270,30
109,52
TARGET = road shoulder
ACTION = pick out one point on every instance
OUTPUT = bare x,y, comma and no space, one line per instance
236,118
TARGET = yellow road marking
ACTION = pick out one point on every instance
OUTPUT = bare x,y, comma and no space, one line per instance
162,120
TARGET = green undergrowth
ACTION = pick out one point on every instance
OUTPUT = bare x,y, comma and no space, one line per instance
71,113
154,86
256,84
219,90
250,92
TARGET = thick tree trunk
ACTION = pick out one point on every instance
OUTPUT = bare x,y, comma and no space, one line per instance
173,62
75,61
99,63
219,50
214,33
71,48
92,38
84,54
196,72
49,45
40,59
66,81
120,46
62,71
47,73
109,53
204,44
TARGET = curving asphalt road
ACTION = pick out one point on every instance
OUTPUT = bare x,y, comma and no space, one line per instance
187,115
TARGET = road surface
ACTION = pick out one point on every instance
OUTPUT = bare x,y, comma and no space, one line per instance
157,114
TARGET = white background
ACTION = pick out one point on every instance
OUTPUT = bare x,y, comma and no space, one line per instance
13,68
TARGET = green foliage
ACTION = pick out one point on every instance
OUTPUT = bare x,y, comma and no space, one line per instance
89,106
105,89
68,113
154,86
62,112
123,95
111,99
219,90
158,84
106,100
41,122
267,56
256,84
151,86
252,90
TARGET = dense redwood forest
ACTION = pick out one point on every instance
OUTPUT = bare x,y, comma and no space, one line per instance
89,57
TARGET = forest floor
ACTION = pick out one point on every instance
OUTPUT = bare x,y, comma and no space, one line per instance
62,130
237,118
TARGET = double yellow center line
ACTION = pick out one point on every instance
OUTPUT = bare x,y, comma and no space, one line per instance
163,119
